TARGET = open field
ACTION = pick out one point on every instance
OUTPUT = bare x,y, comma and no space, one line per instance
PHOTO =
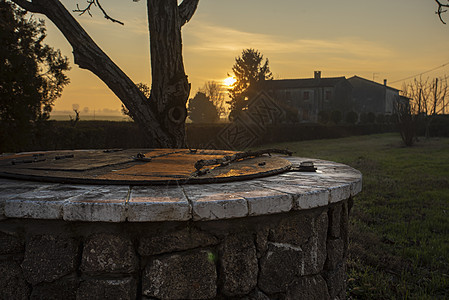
399,234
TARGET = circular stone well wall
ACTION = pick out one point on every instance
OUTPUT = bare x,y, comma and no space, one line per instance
278,237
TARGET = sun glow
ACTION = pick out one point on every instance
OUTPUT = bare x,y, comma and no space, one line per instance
229,81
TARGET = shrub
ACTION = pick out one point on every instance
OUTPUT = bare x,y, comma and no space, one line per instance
371,117
336,116
323,116
352,117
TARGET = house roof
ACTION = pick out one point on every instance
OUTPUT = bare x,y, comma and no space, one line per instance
302,83
370,82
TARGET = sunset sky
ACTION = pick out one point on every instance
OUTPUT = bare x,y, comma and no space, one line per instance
382,39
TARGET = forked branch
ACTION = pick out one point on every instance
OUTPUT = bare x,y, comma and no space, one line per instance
82,11
441,9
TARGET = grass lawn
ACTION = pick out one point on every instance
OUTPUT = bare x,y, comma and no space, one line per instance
399,233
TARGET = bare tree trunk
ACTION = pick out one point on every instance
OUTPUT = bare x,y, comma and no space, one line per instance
170,88
162,118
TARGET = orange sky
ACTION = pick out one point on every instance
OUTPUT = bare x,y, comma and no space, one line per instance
380,39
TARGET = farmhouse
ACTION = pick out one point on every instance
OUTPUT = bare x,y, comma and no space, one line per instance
369,96
311,96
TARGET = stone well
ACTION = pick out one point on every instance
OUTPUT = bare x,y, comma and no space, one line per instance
283,236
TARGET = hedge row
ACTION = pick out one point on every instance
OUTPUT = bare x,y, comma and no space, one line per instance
108,134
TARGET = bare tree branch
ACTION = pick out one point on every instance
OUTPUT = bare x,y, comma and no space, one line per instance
96,3
441,10
186,10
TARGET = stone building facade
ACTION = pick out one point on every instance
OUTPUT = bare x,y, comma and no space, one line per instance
312,95
372,97
308,97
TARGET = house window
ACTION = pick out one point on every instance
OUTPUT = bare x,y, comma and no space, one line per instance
328,95
306,95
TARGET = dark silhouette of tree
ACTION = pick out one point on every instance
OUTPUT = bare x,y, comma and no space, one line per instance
32,76
202,110
406,122
214,91
250,71
428,98
162,116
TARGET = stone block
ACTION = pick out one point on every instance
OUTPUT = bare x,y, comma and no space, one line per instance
103,204
256,295
261,241
49,257
212,202
186,275
344,229
108,253
213,209
63,289
13,188
339,192
280,265
180,240
308,232
158,204
17,208
310,288
10,244
298,229
239,265
108,289
356,187
313,197
45,202
12,281
335,220
336,281
265,202
335,254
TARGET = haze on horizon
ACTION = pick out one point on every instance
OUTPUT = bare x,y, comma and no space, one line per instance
377,40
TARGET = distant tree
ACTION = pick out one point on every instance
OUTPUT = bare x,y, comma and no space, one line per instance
32,75
202,110
214,91
250,71
406,122
336,116
351,117
428,98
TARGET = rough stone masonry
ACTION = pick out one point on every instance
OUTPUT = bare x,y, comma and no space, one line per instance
296,255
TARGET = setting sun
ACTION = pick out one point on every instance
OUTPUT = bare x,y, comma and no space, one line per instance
229,81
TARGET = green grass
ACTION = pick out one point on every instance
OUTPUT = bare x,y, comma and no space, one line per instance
399,233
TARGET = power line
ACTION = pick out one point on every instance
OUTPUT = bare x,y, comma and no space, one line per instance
428,71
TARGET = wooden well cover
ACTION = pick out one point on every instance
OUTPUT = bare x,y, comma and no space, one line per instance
136,166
